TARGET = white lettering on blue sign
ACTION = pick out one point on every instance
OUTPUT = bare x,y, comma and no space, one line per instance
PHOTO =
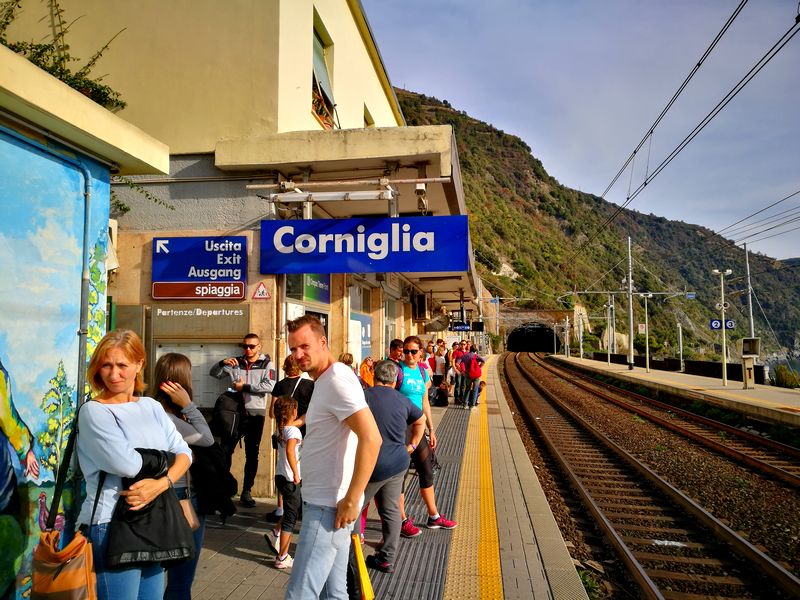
214,274
376,245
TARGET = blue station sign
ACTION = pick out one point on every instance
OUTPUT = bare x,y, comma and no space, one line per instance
365,245
199,267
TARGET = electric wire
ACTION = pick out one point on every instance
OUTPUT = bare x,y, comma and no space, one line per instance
760,64
721,231
733,233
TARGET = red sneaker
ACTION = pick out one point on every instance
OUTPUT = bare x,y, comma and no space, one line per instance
441,523
409,530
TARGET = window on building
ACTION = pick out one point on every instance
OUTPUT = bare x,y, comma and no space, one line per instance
322,104
360,299
368,120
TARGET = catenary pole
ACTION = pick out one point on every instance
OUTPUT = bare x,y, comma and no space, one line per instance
749,292
630,306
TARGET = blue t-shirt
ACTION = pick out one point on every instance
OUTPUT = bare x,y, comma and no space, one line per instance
413,386
393,413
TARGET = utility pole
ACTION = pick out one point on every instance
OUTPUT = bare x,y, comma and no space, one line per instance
608,329
749,292
580,334
613,325
566,337
630,306
722,306
680,344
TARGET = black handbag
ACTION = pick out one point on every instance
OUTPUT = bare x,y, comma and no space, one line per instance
157,532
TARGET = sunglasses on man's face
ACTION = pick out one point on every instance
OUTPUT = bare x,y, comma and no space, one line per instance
250,346
407,351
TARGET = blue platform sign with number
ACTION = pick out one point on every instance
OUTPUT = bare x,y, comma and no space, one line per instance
730,324
716,324
365,245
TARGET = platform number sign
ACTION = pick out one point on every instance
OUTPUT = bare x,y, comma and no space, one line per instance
730,324
716,324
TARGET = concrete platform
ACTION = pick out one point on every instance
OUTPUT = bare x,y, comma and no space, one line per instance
507,544
764,402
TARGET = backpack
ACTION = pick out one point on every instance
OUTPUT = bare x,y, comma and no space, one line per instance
227,418
400,375
474,368
212,481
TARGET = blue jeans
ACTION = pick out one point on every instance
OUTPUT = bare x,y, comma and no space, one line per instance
320,561
459,393
474,391
135,583
181,576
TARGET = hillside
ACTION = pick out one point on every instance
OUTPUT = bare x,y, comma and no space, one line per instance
525,227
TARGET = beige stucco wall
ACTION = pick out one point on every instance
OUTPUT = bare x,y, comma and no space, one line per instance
354,79
198,71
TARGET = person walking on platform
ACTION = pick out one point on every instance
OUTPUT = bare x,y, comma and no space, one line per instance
339,456
254,376
402,426
413,383
472,371
460,395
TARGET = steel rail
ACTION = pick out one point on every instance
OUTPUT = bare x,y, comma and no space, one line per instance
744,549
749,460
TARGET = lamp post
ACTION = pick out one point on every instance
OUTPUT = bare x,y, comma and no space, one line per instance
722,306
646,333
680,344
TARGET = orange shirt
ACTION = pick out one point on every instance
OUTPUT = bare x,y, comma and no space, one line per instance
367,374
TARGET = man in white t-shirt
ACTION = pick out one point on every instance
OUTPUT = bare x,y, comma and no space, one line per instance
339,452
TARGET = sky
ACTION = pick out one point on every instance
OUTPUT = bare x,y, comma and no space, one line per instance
581,82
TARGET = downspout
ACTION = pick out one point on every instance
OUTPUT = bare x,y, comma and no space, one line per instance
83,327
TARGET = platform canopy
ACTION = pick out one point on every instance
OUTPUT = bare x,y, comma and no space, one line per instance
408,164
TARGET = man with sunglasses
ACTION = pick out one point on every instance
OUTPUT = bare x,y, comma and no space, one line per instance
253,375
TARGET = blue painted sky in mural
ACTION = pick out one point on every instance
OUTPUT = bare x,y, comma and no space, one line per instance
41,233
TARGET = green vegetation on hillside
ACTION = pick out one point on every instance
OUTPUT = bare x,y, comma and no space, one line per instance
525,226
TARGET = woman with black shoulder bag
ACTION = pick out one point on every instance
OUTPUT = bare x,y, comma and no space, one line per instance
130,454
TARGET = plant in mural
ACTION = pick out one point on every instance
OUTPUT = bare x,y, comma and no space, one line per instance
97,292
59,407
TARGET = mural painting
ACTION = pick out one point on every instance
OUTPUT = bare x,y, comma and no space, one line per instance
41,259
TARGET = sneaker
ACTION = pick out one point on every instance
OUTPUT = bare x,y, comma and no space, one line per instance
284,563
465,407
441,523
361,538
246,500
274,540
376,563
409,530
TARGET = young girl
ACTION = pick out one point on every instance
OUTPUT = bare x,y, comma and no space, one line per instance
287,479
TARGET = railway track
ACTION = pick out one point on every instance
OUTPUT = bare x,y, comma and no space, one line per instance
671,546
755,452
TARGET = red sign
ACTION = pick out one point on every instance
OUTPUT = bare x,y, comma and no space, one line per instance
206,290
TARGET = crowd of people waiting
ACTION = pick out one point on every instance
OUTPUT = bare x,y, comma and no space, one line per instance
344,435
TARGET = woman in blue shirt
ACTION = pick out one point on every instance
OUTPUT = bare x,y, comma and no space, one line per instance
413,382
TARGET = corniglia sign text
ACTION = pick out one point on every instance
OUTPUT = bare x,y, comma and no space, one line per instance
365,245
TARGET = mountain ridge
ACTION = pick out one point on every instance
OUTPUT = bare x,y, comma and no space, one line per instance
526,227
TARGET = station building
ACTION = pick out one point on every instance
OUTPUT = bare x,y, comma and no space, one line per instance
274,110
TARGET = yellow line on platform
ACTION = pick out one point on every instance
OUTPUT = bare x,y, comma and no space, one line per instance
473,569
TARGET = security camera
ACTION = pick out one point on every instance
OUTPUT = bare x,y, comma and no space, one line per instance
422,198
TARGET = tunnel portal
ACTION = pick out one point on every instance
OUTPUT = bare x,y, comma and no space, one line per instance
532,337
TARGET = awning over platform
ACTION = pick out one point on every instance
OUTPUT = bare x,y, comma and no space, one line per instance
361,160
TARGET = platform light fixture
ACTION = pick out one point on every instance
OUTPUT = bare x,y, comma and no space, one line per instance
722,305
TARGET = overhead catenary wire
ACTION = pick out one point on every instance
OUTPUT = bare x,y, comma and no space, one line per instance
649,133
784,199
740,85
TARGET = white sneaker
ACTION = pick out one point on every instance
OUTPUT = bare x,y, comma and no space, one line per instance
286,563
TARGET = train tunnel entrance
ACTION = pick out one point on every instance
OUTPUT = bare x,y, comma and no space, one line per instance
533,337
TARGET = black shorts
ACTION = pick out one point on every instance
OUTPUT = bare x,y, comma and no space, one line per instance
421,458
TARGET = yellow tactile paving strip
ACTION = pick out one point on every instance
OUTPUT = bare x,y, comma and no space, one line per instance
473,569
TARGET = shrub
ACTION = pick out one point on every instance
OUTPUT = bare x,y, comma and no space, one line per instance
785,377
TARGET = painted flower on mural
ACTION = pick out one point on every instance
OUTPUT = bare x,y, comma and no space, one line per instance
57,403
